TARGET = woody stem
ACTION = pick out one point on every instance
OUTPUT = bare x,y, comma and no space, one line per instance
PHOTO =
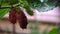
3,7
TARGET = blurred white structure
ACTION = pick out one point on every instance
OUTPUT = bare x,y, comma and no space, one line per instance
48,16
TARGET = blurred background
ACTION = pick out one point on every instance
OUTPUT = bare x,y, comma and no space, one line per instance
38,23
43,16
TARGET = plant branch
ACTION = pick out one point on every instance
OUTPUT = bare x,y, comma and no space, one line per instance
3,7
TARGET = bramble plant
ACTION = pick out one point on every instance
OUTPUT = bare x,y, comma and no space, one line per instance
12,6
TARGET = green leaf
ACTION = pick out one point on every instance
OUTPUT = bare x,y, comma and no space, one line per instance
8,2
29,11
25,4
11,2
54,31
3,12
4,4
0,2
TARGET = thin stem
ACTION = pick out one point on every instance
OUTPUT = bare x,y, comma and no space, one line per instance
14,29
3,7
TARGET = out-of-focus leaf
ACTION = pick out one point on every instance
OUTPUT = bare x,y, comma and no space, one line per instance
54,31
11,2
8,2
25,4
5,4
29,11
3,12
42,6
0,2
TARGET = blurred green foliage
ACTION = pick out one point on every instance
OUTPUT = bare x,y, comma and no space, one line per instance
54,31
34,27
3,12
